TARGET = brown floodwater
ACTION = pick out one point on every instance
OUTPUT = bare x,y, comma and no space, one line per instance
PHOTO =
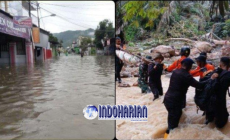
191,123
46,100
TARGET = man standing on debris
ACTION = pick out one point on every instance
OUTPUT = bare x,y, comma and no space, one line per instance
184,52
180,81
155,72
118,63
143,76
202,67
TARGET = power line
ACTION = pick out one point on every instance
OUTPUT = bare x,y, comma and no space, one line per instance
83,13
73,22
72,5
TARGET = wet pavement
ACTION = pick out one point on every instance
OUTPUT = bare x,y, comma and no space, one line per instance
46,100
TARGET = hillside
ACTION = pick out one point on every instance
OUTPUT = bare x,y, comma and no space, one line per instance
69,36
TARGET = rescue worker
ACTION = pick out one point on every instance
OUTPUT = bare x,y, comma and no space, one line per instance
155,71
143,76
180,81
202,67
205,54
118,63
184,52
218,104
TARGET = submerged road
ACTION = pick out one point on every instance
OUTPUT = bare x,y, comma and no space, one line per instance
46,100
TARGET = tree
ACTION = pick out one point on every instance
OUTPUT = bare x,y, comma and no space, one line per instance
144,12
220,6
105,28
84,43
53,38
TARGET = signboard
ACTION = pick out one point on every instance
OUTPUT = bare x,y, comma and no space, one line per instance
36,35
7,27
22,22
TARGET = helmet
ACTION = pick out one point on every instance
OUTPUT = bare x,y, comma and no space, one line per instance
148,57
185,50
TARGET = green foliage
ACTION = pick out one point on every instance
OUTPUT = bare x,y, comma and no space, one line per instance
226,28
131,44
141,10
93,50
69,36
105,28
130,33
53,38
86,41
185,29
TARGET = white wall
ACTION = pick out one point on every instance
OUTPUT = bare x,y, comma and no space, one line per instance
20,58
44,40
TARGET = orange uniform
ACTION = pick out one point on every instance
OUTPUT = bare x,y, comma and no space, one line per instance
197,71
176,64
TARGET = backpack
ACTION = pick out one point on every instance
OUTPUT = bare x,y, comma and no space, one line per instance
204,96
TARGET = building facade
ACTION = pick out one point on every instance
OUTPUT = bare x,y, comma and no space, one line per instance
15,43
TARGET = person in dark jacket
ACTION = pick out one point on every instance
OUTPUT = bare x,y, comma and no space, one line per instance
155,72
205,54
143,76
180,81
118,63
218,103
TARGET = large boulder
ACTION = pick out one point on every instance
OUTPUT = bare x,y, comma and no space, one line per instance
225,51
194,52
203,46
163,49
214,55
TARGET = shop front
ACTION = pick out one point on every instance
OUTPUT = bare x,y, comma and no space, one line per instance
15,47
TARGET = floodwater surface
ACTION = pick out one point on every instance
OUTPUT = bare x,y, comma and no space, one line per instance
46,100
191,123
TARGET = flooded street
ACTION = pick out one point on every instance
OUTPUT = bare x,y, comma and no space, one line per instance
46,100
191,124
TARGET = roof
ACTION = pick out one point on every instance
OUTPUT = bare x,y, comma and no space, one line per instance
5,13
42,30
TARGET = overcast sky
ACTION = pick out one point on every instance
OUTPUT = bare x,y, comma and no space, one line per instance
74,15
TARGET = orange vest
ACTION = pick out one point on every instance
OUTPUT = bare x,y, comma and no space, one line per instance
176,64
197,71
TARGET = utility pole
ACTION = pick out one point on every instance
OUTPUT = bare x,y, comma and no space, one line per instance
29,9
38,15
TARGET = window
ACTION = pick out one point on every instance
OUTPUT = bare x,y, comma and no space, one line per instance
21,49
3,48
